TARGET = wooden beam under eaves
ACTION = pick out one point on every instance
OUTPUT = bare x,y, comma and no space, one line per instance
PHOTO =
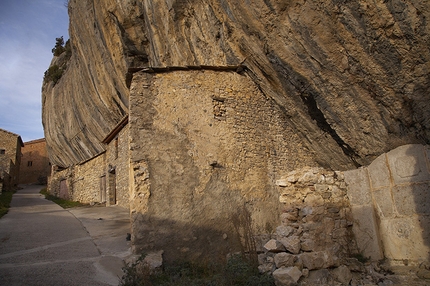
116,130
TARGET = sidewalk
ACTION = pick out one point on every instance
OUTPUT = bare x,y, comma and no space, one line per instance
43,244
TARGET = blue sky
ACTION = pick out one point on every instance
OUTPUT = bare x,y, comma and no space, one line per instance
28,29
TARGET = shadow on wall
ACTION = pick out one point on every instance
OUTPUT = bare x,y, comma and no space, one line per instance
417,162
183,241
390,202
34,169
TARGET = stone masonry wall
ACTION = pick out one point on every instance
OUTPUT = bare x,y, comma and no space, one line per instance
102,179
204,143
11,159
316,229
117,158
35,166
86,180
390,201
55,179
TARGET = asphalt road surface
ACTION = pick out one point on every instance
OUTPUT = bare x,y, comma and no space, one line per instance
43,244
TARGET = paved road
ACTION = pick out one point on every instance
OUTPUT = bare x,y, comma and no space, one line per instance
43,244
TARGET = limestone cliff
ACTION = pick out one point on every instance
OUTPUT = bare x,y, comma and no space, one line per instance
352,77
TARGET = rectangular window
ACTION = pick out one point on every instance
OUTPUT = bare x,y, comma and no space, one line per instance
2,151
29,163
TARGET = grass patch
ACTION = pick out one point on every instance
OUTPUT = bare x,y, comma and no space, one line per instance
5,199
237,271
65,204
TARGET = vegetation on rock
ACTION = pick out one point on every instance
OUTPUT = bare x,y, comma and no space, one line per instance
55,71
5,199
238,270
65,204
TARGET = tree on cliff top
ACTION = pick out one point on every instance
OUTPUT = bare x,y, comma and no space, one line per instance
55,71
59,46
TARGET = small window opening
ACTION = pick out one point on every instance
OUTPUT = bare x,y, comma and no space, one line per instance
116,147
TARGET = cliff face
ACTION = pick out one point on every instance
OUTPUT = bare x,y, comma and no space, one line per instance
352,77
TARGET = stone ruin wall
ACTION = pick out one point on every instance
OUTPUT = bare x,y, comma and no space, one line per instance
203,143
315,231
82,181
86,180
331,220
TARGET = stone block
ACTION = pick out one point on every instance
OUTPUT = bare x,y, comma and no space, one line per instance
383,202
287,276
408,164
366,232
358,189
284,259
292,244
321,188
282,183
284,231
314,260
379,173
319,277
289,216
274,246
412,199
308,245
403,238
342,274
314,200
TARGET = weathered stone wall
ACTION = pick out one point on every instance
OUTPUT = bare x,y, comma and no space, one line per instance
86,180
58,175
35,166
202,144
390,201
10,161
118,162
316,230
102,179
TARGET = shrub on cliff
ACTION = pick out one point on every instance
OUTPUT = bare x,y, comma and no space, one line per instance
53,74
64,51
59,47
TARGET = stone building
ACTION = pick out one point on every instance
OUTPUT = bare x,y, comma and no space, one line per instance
35,166
103,178
182,161
10,159
188,112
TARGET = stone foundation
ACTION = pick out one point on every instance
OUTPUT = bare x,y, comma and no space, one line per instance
316,230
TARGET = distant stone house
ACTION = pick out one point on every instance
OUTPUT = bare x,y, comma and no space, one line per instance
35,166
10,159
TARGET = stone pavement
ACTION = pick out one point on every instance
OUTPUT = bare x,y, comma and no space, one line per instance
43,244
